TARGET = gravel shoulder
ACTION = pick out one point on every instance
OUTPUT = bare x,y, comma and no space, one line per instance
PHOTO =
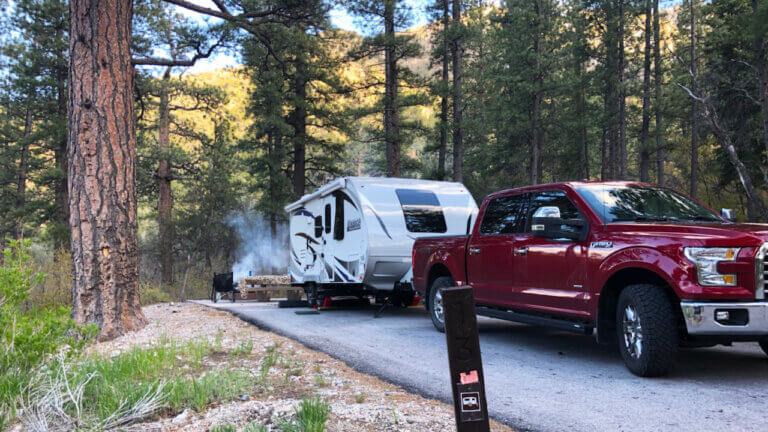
536,378
358,402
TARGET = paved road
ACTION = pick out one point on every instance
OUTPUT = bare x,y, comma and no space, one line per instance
539,379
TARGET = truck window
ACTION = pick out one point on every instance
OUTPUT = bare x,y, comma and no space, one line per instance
503,215
422,211
327,218
552,199
338,219
318,226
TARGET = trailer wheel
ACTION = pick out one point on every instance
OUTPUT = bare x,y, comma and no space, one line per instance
764,344
647,330
436,311
311,290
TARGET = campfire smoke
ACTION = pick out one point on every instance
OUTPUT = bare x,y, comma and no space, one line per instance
258,251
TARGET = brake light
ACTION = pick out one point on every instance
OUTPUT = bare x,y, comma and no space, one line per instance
413,256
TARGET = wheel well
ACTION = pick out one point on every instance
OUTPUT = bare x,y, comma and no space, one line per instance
609,299
437,270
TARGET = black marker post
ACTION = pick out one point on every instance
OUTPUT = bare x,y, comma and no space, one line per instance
464,360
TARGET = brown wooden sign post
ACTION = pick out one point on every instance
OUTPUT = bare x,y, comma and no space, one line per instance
464,359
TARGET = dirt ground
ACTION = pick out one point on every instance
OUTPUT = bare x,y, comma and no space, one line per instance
358,402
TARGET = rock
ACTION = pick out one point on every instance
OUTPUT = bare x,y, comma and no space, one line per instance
182,418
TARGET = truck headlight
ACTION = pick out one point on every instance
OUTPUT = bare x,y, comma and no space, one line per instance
706,259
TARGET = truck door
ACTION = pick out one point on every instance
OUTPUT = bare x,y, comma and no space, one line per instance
490,250
550,274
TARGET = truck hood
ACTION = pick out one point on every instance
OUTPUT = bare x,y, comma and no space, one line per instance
714,234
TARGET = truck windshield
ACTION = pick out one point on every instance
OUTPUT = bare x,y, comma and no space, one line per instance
627,203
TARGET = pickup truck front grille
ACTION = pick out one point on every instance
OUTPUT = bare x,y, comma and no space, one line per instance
761,272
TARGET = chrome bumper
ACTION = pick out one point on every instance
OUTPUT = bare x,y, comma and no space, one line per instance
726,318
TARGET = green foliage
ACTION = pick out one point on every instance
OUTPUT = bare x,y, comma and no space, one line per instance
28,336
151,293
311,416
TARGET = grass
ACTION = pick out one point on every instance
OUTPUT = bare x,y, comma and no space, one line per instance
271,356
130,375
360,397
311,416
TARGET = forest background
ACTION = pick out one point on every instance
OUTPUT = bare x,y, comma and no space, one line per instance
492,94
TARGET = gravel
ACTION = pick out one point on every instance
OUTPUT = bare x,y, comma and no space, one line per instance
358,402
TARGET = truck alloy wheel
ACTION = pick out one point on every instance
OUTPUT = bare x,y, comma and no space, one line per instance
647,330
633,332
436,309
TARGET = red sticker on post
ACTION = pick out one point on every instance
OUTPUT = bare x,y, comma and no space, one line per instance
469,377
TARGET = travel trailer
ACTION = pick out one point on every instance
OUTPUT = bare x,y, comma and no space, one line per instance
353,236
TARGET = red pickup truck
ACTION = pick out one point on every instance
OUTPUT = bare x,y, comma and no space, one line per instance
641,265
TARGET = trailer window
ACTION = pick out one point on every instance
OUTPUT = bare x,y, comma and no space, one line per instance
422,211
327,218
318,226
338,219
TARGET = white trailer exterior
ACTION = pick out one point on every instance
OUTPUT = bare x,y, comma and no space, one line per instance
357,232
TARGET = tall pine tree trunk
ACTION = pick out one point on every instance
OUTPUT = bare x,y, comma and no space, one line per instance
102,169
621,150
458,103
659,81
298,122
164,178
391,126
21,182
694,108
441,153
534,173
646,122
61,195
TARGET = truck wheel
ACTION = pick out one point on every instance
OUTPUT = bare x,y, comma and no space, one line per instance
647,330
764,344
436,310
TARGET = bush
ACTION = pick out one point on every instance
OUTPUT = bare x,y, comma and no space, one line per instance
55,289
150,293
28,335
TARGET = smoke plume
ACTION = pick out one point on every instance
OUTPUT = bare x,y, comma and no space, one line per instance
259,251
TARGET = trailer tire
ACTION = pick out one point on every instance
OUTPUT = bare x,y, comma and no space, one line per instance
436,311
647,330
764,344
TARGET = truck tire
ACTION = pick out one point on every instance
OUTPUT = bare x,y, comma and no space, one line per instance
764,344
436,311
647,330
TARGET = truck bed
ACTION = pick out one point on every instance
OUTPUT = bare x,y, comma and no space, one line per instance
448,250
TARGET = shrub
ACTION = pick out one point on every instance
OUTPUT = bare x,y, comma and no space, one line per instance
28,335
53,290
150,293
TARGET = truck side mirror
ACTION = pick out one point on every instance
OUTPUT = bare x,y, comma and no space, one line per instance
557,228
728,214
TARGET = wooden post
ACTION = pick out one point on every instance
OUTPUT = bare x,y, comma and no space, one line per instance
465,362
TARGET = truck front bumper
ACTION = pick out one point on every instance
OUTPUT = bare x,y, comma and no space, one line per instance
726,319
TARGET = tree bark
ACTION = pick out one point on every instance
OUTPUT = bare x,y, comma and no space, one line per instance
458,104
443,150
102,168
391,126
164,177
659,81
534,174
646,124
61,195
21,182
621,150
694,108
298,121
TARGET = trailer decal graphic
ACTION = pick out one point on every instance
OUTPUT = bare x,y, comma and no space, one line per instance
381,222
